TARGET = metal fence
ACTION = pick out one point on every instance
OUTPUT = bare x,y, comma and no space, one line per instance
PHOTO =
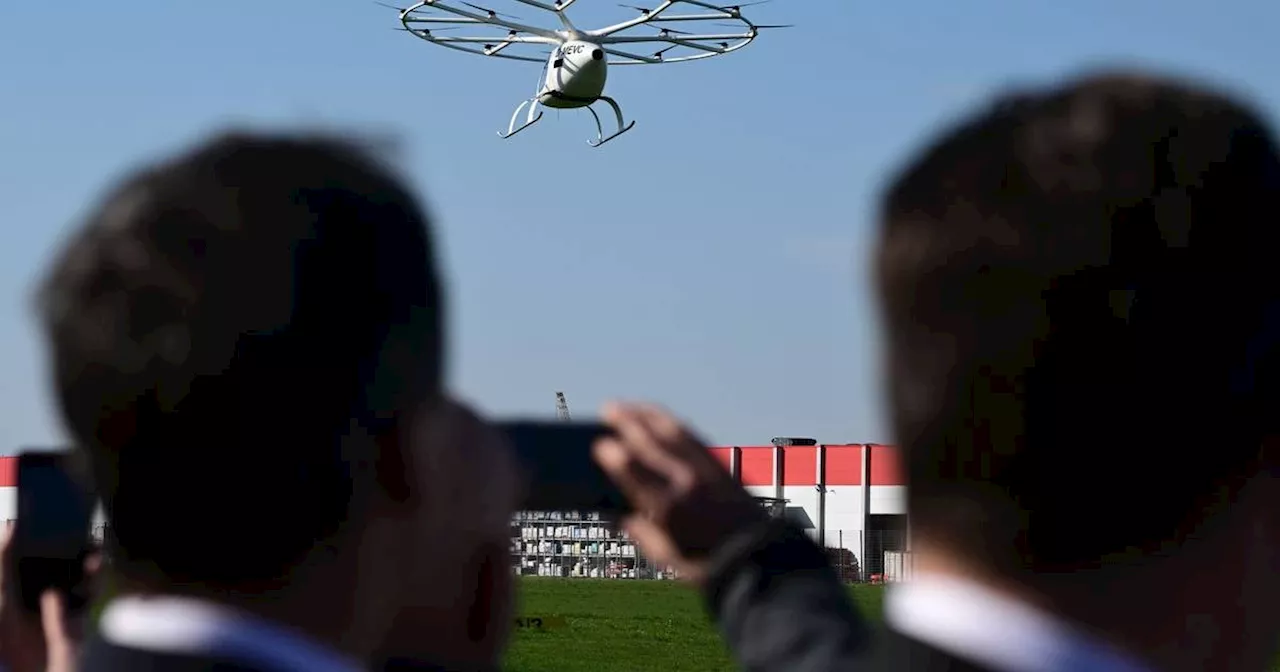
888,554
870,556
575,544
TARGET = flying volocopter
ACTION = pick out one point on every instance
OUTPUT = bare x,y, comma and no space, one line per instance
576,69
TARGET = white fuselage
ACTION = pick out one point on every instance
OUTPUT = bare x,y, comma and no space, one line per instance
576,73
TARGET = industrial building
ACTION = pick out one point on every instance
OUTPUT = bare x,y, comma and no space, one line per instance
848,496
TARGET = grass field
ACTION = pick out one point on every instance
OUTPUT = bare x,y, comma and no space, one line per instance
627,626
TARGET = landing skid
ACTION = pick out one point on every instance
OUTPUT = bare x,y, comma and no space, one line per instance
534,114
623,127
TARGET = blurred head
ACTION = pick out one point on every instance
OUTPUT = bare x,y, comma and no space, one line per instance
1083,319
247,340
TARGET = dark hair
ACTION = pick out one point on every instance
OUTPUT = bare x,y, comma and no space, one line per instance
230,331
1079,286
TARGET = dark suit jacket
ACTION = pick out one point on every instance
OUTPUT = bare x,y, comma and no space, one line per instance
99,655
781,608
894,651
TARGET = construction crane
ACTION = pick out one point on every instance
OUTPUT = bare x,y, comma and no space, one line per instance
562,408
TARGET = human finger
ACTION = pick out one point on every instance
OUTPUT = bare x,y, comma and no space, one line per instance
60,640
53,616
653,540
662,423
645,489
644,446
672,434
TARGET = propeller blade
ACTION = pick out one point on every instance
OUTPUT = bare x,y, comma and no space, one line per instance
777,25
488,11
752,25
658,54
664,29
428,31
642,10
738,7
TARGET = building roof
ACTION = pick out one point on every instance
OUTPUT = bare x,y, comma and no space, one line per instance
756,466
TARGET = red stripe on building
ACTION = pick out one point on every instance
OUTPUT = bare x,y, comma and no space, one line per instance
844,465
725,455
757,465
800,465
8,472
886,466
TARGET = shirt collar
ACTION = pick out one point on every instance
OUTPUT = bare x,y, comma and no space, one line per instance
973,622
187,626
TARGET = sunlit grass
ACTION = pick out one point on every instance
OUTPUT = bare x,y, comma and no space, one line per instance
626,626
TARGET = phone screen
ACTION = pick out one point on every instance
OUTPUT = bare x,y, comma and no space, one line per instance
562,474
50,539
55,509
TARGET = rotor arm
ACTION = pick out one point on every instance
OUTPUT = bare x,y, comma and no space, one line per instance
541,5
609,38
697,47
724,13
443,21
481,18
557,9
652,15
693,17
504,41
491,45
635,58
494,53
682,39
724,44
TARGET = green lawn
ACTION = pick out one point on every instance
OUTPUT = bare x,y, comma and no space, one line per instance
628,626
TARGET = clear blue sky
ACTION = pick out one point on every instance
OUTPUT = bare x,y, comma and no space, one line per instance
713,259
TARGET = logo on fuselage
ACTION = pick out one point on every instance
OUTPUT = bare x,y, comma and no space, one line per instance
571,50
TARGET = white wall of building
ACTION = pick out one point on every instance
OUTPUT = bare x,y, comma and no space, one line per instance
8,503
889,500
842,517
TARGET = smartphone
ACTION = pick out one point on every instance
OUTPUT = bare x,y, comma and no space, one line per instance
562,476
50,541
